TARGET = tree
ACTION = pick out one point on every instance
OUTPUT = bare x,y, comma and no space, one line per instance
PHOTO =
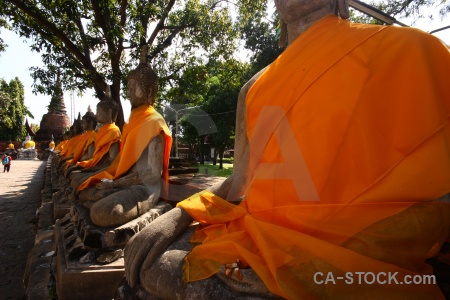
213,87
95,43
12,110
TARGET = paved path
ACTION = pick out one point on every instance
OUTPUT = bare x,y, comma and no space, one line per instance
20,197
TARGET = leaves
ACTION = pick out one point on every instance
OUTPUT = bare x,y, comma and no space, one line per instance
12,110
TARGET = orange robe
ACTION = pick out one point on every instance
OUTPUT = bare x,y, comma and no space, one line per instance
61,145
145,123
69,147
81,146
106,136
354,147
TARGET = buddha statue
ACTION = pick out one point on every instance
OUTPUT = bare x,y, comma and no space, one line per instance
51,145
107,143
72,135
28,143
85,147
28,150
10,146
63,142
132,184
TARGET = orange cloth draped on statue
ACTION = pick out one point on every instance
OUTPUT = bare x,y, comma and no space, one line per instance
106,136
29,144
61,145
81,147
145,123
354,147
70,146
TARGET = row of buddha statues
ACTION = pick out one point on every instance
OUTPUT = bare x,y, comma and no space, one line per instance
325,186
110,177
27,151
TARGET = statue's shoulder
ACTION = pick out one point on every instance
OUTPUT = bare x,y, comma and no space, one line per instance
246,87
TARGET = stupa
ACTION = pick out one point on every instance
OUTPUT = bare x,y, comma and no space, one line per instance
56,121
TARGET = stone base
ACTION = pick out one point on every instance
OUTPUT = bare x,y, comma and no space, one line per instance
28,154
84,281
60,210
89,259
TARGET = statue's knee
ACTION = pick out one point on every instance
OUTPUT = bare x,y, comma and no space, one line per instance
102,214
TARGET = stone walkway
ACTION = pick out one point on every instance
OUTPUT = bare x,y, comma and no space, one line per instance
20,197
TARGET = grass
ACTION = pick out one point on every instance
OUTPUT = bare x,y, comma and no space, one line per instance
214,170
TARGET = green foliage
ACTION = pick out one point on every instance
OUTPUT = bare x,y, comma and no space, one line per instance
213,87
403,9
259,34
95,43
12,110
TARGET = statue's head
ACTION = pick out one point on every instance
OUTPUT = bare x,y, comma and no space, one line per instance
66,135
89,120
142,83
107,109
77,127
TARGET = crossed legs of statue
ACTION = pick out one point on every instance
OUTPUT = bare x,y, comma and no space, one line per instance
117,206
158,252
161,274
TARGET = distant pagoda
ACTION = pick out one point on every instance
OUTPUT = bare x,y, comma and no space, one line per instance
56,121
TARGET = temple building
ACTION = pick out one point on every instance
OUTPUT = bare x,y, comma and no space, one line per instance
56,121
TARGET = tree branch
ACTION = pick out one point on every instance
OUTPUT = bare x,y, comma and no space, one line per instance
51,27
160,23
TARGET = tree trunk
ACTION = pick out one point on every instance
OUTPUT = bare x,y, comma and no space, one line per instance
115,94
215,156
221,151
202,150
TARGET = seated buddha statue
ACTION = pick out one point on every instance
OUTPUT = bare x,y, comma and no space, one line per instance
107,143
51,145
10,146
28,143
132,184
85,148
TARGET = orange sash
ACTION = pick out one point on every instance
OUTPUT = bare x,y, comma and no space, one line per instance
81,146
106,136
144,124
356,134
69,147
60,146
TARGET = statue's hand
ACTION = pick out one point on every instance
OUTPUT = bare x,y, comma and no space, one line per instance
105,185
148,244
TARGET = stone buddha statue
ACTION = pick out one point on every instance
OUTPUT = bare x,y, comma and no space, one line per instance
72,135
52,144
85,147
28,150
107,143
133,183
28,143
10,146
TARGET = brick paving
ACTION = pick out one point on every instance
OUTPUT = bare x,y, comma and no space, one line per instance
20,197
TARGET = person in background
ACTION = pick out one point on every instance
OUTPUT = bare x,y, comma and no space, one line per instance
6,162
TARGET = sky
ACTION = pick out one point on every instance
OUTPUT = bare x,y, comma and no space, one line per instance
18,58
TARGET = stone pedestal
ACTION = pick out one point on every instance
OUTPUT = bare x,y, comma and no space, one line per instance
89,259
27,154
76,280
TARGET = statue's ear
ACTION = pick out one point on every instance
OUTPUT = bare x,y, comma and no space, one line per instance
343,10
